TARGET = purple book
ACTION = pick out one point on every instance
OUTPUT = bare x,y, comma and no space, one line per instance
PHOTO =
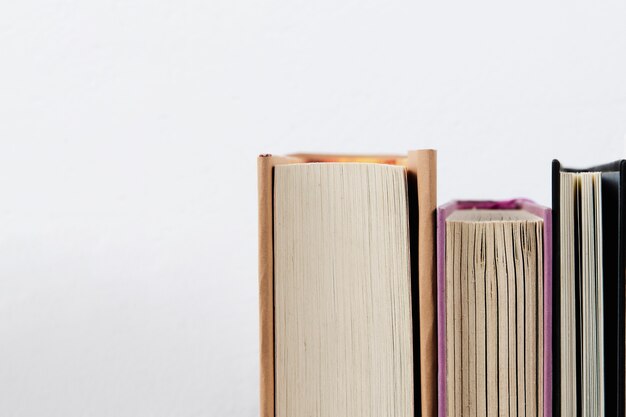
546,214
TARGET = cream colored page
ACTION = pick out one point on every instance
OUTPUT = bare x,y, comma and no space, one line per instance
503,319
470,237
519,281
450,332
342,291
481,320
597,203
512,316
567,280
501,260
458,342
464,320
530,299
492,323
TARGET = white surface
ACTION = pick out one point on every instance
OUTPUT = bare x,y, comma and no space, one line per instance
128,136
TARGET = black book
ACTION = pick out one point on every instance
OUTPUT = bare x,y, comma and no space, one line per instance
589,220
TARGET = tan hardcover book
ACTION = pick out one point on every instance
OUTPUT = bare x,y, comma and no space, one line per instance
320,263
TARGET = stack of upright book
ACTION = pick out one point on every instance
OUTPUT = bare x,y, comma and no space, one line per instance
374,302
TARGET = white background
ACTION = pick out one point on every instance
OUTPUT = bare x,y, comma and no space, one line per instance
128,136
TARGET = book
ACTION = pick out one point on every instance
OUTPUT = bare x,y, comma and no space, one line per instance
589,211
347,285
494,295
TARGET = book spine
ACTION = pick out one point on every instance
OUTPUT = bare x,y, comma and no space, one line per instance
265,165
423,165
